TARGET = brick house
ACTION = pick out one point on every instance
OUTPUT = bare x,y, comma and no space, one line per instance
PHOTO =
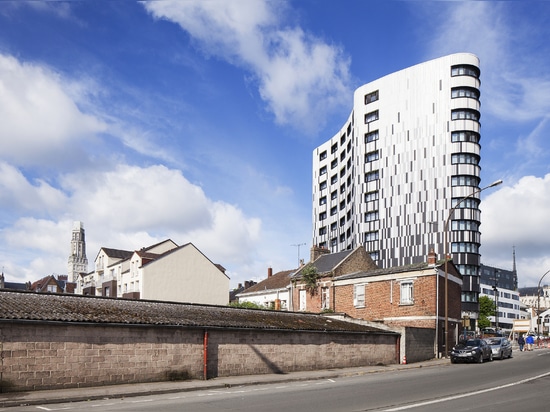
404,296
53,284
328,266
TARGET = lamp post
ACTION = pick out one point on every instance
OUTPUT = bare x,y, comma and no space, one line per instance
538,303
446,230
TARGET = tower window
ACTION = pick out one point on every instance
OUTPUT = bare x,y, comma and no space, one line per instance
371,97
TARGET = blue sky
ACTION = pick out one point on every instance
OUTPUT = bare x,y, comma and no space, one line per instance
196,120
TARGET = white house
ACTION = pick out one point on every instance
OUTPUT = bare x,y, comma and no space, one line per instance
272,292
164,271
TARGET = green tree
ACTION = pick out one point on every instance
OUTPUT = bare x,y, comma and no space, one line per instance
487,308
310,277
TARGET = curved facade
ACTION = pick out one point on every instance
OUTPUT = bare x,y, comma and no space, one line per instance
409,151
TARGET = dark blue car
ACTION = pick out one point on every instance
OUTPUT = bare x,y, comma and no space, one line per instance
472,350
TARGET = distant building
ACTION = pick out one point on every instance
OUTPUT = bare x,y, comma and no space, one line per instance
501,286
12,285
163,271
272,292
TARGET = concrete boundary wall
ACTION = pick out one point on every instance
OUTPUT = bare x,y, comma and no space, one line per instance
54,355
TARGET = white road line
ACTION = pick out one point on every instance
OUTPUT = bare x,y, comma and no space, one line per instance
466,395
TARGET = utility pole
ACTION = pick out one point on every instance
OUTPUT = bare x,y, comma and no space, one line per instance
298,246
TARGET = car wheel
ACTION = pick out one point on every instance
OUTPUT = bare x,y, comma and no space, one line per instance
501,355
480,359
453,360
491,357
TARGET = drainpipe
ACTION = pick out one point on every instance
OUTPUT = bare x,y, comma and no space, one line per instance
205,356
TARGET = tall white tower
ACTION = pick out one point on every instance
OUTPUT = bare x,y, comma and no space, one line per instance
408,153
78,262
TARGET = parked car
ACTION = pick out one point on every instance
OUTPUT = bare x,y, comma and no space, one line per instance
472,350
501,347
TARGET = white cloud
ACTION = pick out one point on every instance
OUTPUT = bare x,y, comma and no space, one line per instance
128,207
518,216
18,194
41,123
300,77
513,87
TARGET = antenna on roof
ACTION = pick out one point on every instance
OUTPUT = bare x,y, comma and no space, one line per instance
298,246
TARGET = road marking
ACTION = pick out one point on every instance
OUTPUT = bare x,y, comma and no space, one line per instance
465,395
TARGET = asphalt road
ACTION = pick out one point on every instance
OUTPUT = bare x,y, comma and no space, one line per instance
520,383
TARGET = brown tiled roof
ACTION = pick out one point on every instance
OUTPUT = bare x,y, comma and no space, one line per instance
27,306
279,280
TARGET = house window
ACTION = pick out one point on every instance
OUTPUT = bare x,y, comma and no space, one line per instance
334,195
325,298
334,163
322,215
107,291
333,226
371,117
333,210
323,170
371,97
359,296
334,148
407,292
371,137
322,230
323,185
333,179
302,299
323,155
51,288
323,200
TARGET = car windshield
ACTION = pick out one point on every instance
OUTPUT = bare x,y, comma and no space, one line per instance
473,342
493,341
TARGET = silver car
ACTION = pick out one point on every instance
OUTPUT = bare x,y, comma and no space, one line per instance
501,347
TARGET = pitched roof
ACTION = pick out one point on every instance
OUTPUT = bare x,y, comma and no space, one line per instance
279,280
327,262
390,271
28,306
117,253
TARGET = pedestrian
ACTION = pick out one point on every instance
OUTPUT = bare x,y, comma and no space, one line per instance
521,342
530,341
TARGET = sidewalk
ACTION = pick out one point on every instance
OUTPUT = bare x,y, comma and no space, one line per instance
141,389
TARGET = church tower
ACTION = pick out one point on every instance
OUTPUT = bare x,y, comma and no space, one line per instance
78,263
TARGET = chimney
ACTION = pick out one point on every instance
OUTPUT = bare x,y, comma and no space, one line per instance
269,272
432,257
317,251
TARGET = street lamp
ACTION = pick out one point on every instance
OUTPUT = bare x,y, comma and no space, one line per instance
538,303
446,229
